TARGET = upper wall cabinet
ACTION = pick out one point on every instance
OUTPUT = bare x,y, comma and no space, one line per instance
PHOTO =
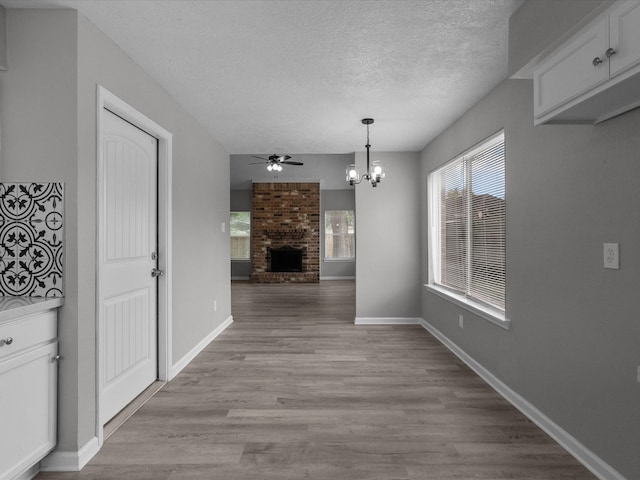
596,74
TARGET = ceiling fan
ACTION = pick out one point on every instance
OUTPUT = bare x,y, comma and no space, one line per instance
275,162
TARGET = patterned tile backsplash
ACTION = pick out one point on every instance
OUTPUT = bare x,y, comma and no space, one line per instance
31,233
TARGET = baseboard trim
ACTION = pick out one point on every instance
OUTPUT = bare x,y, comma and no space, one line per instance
28,474
184,361
586,457
322,279
387,321
65,461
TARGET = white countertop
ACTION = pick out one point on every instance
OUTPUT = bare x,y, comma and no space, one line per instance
14,307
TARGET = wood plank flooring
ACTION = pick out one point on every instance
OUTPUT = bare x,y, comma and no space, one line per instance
293,390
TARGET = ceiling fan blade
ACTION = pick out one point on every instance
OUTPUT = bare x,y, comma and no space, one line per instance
292,163
259,163
261,158
279,158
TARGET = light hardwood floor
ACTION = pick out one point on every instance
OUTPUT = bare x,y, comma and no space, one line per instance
293,390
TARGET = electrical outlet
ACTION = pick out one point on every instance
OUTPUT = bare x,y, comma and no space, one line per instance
223,227
611,256
460,321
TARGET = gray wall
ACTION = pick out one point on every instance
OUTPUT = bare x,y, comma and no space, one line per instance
572,350
329,200
38,108
48,107
3,38
388,248
336,200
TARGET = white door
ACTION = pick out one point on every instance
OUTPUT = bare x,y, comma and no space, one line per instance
128,291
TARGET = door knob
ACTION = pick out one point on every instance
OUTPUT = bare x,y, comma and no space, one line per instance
6,341
155,273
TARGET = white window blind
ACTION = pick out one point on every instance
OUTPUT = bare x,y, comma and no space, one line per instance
240,232
468,235
339,235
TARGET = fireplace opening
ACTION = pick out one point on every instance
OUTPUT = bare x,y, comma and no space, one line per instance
286,259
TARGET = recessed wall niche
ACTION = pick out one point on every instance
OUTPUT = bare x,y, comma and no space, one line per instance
285,215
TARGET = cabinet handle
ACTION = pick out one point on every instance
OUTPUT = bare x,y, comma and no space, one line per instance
55,359
6,341
596,61
610,52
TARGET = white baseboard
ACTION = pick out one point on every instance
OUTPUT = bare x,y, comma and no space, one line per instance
388,321
184,361
586,457
61,461
28,474
322,279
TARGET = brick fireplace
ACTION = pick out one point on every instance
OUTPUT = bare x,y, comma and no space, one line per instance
285,215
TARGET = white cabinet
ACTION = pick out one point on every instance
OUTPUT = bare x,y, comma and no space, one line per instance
28,386
596,74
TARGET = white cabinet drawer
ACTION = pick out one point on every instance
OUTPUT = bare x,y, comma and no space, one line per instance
24,333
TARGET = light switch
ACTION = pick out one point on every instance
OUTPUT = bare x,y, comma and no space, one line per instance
611,256
223,227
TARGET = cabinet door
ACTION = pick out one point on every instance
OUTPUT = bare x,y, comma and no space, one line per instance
27,409
570,71
625,36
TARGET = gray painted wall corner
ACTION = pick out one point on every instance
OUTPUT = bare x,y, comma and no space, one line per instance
57,60
388,248
572,348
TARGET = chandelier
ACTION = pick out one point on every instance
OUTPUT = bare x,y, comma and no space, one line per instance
375,170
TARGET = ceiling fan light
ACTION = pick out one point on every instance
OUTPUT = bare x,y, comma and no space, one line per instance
270,167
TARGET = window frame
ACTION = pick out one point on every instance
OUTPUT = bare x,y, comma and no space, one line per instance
248,259
324,232
483,310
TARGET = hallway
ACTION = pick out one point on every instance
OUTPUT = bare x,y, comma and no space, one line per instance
293,390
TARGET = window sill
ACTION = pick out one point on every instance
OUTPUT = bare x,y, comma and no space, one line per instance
492,316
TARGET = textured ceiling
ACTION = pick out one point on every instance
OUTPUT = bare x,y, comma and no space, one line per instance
297,76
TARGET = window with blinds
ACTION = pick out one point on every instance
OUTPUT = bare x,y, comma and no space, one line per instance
467,239
240,232
339,235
